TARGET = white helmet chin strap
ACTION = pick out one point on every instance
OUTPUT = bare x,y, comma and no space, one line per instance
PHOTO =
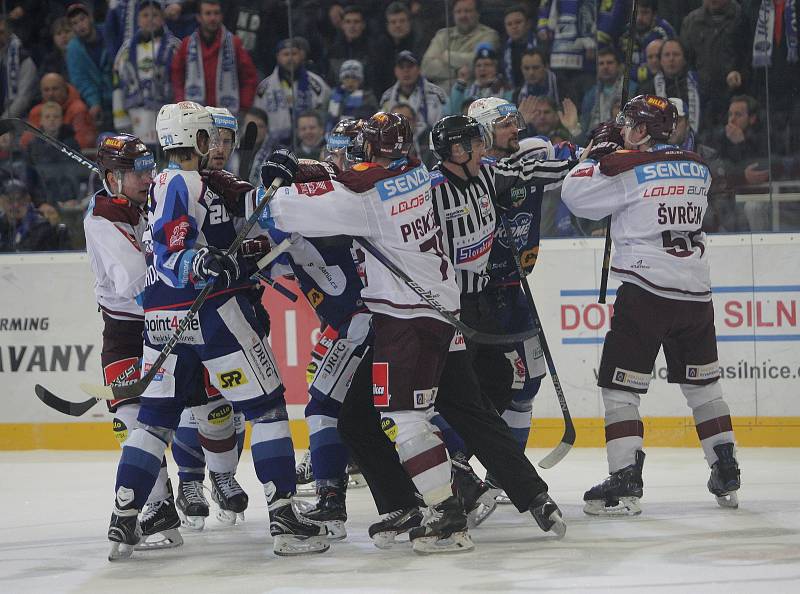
628,138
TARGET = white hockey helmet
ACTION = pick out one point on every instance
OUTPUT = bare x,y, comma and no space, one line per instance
224,119
178,124
490,111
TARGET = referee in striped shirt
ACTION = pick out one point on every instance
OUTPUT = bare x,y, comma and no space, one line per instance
465,192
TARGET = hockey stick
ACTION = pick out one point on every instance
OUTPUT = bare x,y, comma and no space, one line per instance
276,286
266,261
114,392
247,149
568,439
73,409
428,297
18,125
626,79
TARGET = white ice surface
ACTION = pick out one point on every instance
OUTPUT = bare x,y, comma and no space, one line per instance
55,508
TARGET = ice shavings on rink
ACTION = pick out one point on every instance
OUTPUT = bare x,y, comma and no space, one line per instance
56,507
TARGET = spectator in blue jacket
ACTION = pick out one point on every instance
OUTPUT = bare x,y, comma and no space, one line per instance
89,64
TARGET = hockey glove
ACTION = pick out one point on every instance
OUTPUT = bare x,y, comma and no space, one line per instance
211,264
281,163
257,247
311,171
229,187
605,139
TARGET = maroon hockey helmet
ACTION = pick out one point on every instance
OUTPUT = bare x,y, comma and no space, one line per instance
124,152
656,113
387,135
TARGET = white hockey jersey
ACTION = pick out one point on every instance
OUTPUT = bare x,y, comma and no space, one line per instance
392,208
657,200
114,228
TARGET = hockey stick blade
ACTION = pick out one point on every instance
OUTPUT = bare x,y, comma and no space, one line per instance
429,298
73,409
137,388
18,125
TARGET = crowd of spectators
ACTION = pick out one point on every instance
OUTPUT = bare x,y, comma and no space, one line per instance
81,69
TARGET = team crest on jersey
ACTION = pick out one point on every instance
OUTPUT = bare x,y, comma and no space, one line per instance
485,204
520,225
176,232
585,172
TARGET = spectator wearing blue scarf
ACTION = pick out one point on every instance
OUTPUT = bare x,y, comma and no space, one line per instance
349,100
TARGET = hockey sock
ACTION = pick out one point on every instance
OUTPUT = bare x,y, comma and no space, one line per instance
273,451
124,424
624,428
518,414
452,440
421,452
329,455
712,417
217,435
186,449
141,462
239,425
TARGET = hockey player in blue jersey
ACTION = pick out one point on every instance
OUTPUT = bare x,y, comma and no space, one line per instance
191,448
502,296
189,228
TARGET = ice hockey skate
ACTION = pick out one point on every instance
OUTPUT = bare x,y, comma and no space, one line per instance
355,480
330,510
384,533
477,497
724,480
444,530
546,513
192,505
304,477
292,534
228,494
500,495
619,493
160,523
124,531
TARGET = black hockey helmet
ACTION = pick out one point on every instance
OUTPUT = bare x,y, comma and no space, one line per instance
387,135
657,113
456,129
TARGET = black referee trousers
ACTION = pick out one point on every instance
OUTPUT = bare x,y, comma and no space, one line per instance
463,405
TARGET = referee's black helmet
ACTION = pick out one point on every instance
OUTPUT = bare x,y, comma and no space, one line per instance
453,130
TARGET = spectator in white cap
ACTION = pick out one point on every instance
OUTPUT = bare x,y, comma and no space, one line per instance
349,100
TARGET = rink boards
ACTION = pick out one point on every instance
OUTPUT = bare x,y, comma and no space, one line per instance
50,333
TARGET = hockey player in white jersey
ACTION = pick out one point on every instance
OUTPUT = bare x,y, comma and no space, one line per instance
656,195
387,199
114,225
188,229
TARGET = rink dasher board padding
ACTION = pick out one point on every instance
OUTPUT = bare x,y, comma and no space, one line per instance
50,333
